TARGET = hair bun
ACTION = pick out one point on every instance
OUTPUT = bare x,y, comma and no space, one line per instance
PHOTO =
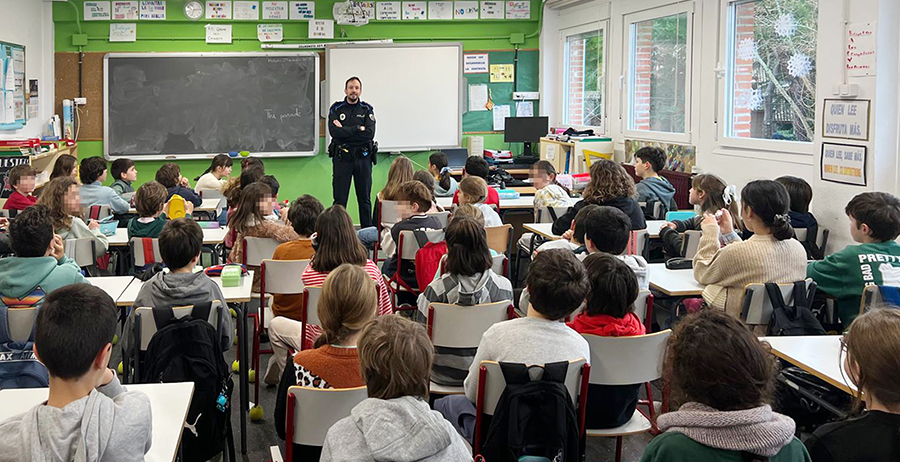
781,219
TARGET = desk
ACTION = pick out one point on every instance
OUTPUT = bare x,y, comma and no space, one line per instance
169,405
211,236
544,229
512,171
653,227
208,205
522,203
675,283
113,285
820,355
239,294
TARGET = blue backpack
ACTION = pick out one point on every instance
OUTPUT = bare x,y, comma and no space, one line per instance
18,366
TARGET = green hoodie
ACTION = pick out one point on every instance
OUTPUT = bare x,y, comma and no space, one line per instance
19,276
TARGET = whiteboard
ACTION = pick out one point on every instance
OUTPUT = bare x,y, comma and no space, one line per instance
415,89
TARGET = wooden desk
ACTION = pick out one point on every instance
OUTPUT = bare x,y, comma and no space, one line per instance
169,405
239,294
541,229
114,286
512,171
211,236
675,283
820,355
208,205
653,227
525,190
522,203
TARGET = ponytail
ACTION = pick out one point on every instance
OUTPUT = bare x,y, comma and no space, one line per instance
220,160
440,162
770,201
444,178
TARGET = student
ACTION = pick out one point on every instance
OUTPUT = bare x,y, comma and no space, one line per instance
39,260
302,218
124,173
88,415
395,421
609,312
150,202
248,162
232,193
473,191
573,238
4,237
93,174
725,379
415,200
770,255
648,162
607,230
438,166
216,175
711,194
62,197
180,243
609,185
470,211
169,175
548,193
468,280
873,365
426,179
400,172
348,302
274,185
65,166
801,194
21,179
477,166
874,223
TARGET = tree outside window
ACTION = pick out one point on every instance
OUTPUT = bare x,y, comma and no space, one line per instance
584,79
659,69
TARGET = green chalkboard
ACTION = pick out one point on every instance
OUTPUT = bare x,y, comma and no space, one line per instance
502,93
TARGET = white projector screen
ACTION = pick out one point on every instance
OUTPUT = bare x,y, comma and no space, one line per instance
415,89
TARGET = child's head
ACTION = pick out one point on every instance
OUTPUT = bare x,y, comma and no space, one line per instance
543,173
123,169
767,203
614,286
219,167
414,198
438,165
150,199
395,357
873,355
21,178
255,204
337,241
711,193
168,175
470,211
349,301
425,178
31,233
608,181
248,162
557,283
272,183
62,196
400,172
65,165
714,359
578,222
649,160
476,166
180,242
874,216
74,331
606,229
303,215
472,190
92,169
799,191
467,250
251,175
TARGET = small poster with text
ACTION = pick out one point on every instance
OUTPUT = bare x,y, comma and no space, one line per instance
303,11
387,11
218,10
96,11
153,10
125,10
842,163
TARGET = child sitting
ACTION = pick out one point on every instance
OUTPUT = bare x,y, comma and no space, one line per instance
216,175
609,312
400,172
609,185
62,197
648,162
425,178
801,193
476,166
124,172
473,190
395,422
711,194
875,224
725,379
21,179
469,210
415,200
438,166
65,166
608,229
93,174
302,217
274,185
573,238
88,415
169,175
150,202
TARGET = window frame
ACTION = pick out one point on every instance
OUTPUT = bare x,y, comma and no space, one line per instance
564,34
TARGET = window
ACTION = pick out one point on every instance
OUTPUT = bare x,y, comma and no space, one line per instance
583,86
771,70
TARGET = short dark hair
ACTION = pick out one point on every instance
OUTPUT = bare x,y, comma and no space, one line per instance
168,174
557,283
31,232
425,178
74,324
248,162
467,250
272,182
654,155
395,357
799,191
251,174
352,79
20,171
608,228
179,242
149,198
303,214
416,192
120,166
477,166
579,221
91,169
880,211
614,286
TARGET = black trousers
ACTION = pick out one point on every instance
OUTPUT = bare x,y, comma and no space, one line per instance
360,170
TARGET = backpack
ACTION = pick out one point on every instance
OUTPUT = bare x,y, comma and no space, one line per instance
813,252
796,319
428,259
188,350
534,419
18,366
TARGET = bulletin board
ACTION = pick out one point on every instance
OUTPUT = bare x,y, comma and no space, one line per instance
501,93
12,86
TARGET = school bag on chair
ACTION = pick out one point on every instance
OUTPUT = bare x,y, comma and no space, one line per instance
18,366
187,349
428,258
795,319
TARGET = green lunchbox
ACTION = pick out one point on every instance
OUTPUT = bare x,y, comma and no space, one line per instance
231,276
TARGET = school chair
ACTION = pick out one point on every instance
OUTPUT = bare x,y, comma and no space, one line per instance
407,247
639,243
257,249
457,326
549,214
821,240
442,217
20,317
212,194
387,214
499,239
82,250
756,306
95,212
879,296
144,251
491,385
690,242
652,209
310,313
311,412
628,361
499,264
643,307
8,213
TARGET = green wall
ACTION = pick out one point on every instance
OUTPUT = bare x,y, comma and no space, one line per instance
310,175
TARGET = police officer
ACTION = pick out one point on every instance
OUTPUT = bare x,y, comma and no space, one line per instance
351,123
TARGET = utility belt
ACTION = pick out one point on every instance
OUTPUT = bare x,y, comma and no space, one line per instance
347,153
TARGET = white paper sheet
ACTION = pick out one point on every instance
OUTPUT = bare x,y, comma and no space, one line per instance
218,10
125,10
96,11
387,11
440,10
246,11
321,29
465,9
218,33
10,81
270,32
9,107
491,10
303,11
153,10
122,32
478,97
501,112
275,10
415,10
518,9
524,109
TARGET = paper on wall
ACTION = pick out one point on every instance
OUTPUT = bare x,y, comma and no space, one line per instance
303,11
414,10
246,11
465,9
518,9
218,10
502,72
18,60
440,10
353,13
96,11
270,32
10,80
274,10
125,10
501,112
475,63
9,107
122,32
19,107
387,11
491,10
321,29
524,109
478,97
153,10
218,33
861,49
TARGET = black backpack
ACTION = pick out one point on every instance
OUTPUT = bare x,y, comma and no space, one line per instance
188,350
534,418
795,319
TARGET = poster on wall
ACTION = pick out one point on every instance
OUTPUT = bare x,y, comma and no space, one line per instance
122,32
502,73
6,164
491,10
465,9
303,11
275,10
860,53
414,10
153,10
125,10
270,32
218,10
387,11
519,9
218,33
246,11
846,118
475,63
843,163
96,11
321,29
440,10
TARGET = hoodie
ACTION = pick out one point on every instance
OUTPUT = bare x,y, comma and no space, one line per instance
657,188
109,425
639,266
19,276
402,429
625,204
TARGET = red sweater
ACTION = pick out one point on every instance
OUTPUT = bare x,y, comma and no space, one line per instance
608,326
18,201
492,197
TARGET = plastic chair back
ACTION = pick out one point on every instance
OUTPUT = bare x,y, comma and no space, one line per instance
627,360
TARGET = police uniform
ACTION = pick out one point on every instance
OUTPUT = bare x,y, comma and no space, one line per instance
353,151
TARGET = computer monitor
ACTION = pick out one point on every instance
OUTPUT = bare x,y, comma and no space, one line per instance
526,130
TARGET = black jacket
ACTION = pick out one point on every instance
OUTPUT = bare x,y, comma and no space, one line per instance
353,117
625,204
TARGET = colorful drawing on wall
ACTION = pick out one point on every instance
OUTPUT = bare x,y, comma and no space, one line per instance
679,157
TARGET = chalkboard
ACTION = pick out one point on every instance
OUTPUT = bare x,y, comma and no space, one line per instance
188,105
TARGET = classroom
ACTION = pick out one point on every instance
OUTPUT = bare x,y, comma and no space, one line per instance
450,230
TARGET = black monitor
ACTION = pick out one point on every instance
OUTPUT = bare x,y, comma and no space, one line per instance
526,130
